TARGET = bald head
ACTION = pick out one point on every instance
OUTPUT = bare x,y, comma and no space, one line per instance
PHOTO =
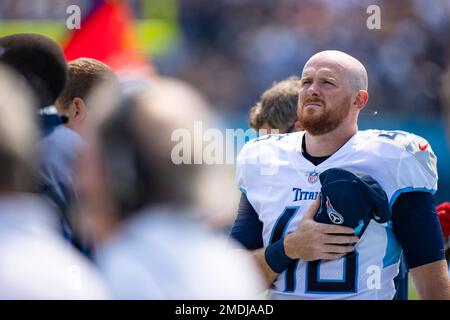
333,92
349,67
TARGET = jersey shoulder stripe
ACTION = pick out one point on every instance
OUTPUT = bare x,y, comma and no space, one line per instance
410,146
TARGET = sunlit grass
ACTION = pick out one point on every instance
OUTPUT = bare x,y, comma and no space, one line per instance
412,292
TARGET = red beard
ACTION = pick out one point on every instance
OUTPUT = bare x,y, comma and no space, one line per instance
319,122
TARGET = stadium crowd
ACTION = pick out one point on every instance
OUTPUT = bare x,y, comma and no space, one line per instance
246,45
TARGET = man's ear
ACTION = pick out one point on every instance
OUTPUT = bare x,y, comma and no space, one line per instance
361,99
79,111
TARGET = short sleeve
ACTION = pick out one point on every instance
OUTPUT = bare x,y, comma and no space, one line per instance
417,168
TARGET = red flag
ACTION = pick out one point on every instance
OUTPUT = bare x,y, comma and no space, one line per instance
107,34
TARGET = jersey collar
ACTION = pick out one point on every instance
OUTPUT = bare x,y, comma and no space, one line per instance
300,161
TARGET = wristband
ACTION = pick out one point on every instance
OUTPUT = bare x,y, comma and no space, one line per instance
276,257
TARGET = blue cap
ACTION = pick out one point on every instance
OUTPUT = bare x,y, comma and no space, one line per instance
352,199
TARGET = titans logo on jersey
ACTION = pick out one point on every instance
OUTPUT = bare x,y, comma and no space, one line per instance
281,185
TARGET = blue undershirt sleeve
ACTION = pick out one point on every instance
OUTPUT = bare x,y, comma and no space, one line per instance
247,229
417,228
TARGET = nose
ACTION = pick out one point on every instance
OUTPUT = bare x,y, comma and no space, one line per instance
313,90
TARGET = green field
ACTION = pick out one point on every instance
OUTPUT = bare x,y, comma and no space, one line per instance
412,292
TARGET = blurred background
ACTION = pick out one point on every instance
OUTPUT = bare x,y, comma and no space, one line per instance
232,50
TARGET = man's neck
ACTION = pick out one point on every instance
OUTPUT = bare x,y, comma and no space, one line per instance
329,143
72,127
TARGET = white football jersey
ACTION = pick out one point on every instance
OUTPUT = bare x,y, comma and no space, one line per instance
281,185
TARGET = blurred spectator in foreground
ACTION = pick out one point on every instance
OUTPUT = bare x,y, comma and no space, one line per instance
277,109
153,245
213,186
40,61
36,263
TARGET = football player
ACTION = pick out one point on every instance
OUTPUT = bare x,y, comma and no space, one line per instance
277,108
278,177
